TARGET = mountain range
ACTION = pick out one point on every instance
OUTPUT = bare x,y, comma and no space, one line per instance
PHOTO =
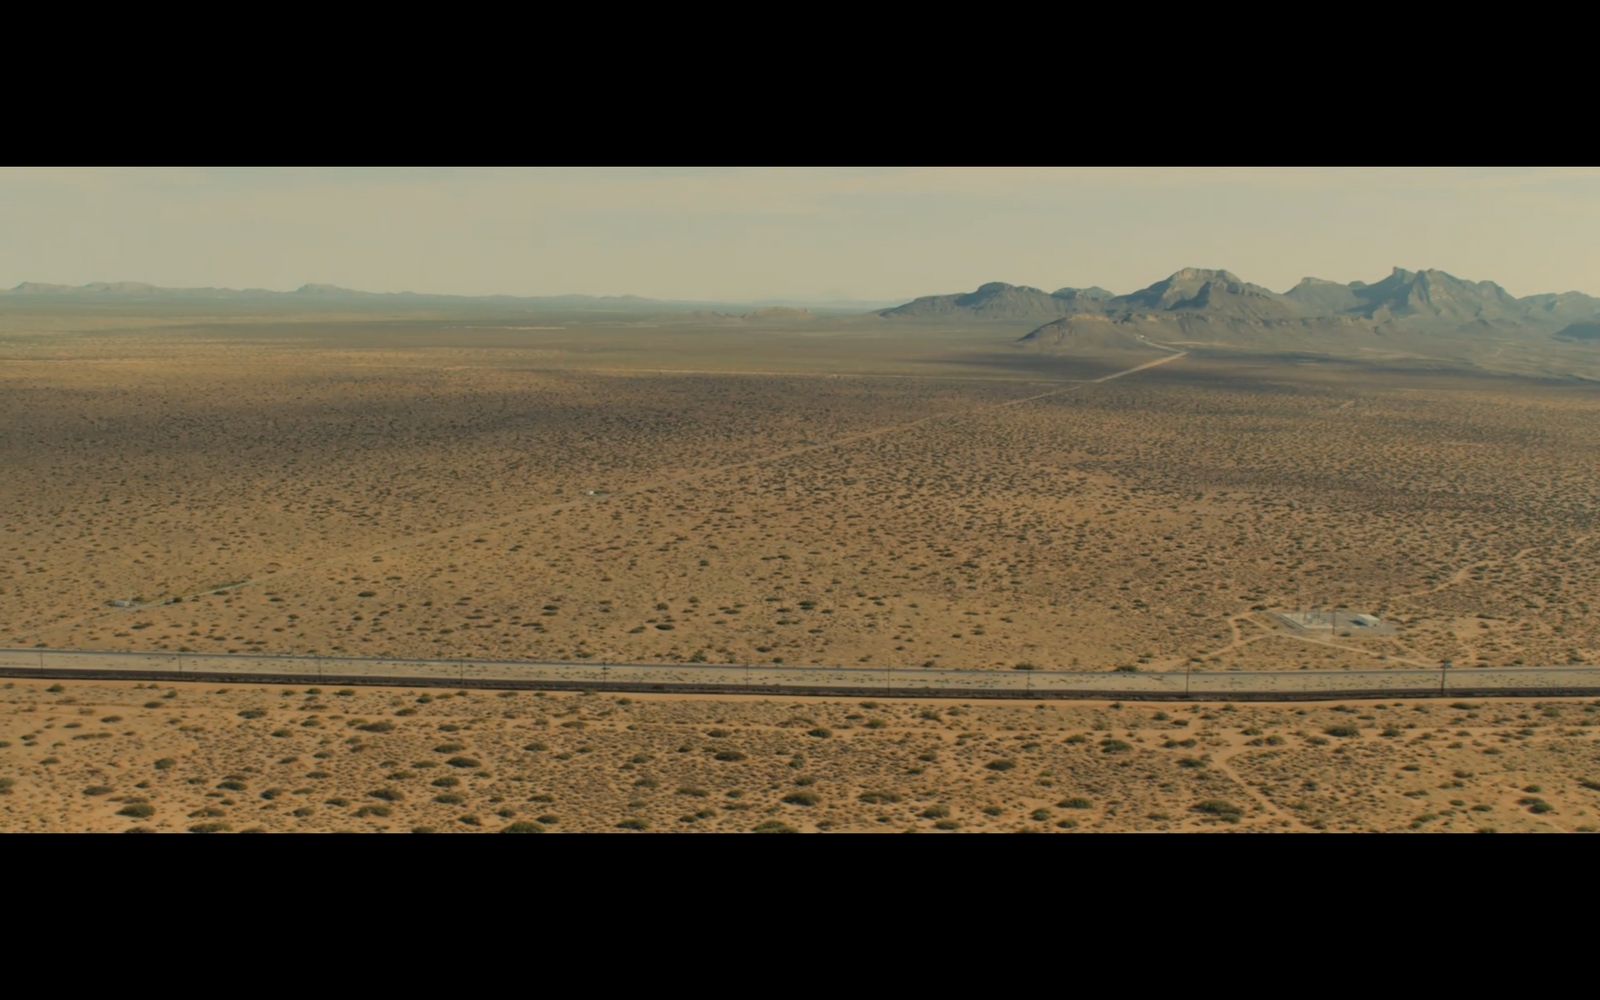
1425,314
108,292
1201,306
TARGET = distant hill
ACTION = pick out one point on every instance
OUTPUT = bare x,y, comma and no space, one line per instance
1436,295
1419,298
780,313
1414,314
1091,334
1214,293
1408,316
132,290
139,291
102,293
1000,301
1580,332
1564,306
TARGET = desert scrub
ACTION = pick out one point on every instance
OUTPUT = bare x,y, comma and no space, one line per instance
523,826
633,823
878,798
1222,810
463,762
802,798
137,810
1343,732
1001,765
1075,803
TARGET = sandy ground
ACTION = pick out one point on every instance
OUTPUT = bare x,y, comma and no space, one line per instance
835,496
485,502
116,756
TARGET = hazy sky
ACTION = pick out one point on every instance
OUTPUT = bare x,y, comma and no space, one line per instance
749,233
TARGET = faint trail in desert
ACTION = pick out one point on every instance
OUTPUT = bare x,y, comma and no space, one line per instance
1456,578
1460,576
645,487
1238,641
1224,762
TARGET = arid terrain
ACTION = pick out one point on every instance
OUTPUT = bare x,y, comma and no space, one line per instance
171,758
784,492
513,495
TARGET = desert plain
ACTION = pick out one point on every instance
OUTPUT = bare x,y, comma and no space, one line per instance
791,490
124,757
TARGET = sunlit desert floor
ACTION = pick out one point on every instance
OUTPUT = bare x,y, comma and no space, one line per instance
81,756
477,503
854,497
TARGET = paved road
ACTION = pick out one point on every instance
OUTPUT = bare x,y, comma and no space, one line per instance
847,681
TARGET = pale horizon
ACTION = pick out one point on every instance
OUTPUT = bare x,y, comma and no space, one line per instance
817,234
